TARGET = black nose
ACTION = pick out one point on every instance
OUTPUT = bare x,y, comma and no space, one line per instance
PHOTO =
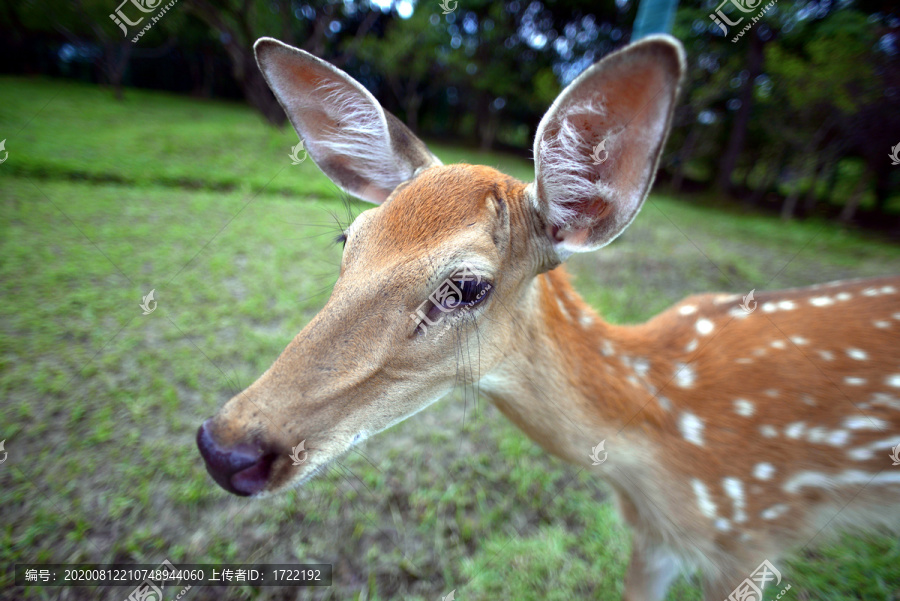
242,469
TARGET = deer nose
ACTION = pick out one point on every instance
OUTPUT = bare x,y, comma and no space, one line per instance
242,469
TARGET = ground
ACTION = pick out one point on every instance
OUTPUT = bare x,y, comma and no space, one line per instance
101,202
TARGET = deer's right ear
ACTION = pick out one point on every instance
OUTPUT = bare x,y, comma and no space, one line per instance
363,149
597,148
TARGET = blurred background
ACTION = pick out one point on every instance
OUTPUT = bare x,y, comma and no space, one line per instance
140,150
797,115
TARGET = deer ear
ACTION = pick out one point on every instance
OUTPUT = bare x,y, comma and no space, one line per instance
363,149
598,146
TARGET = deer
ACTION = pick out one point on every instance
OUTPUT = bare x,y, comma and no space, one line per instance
738,428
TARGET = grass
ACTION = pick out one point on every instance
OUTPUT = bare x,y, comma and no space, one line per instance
102,202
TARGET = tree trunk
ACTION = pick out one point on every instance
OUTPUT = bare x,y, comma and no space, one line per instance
790,203
238,43
849,210
807,169
687,151
769,179
742,119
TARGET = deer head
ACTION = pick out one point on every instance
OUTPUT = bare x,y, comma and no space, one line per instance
458,248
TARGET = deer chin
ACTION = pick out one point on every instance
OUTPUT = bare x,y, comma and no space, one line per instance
319,459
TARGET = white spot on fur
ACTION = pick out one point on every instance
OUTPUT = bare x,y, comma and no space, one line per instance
870,292
799,340
664,402
722,525
707,507
817,435
692,346
688,309
861,422
744,407
704,326
607,348
586,320
795,430
861,454
768,431
809,400
779,344
893,381
684,375
734,488
826,355
641,367
881,324
772,392
744,361
854,381
885,400
691,428
847,478
774,512
857,354
821,301
843,296
838,438
888,290
562,309
763,471
768,307
786,305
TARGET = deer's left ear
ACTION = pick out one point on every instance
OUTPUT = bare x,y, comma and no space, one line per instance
598,146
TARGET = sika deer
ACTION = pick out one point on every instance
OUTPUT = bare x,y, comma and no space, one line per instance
738,436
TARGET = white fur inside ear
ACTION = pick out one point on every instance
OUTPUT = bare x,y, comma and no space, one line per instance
358,132
567,172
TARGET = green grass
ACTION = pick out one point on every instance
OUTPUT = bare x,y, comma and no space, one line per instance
101,202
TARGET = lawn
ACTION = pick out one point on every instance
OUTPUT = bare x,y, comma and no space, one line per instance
101,202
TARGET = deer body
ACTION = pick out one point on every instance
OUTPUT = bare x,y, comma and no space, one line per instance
709,472
731,436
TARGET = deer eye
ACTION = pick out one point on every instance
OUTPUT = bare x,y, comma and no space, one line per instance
456,295
471,293
460,292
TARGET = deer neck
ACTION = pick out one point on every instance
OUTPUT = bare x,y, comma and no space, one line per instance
570,379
